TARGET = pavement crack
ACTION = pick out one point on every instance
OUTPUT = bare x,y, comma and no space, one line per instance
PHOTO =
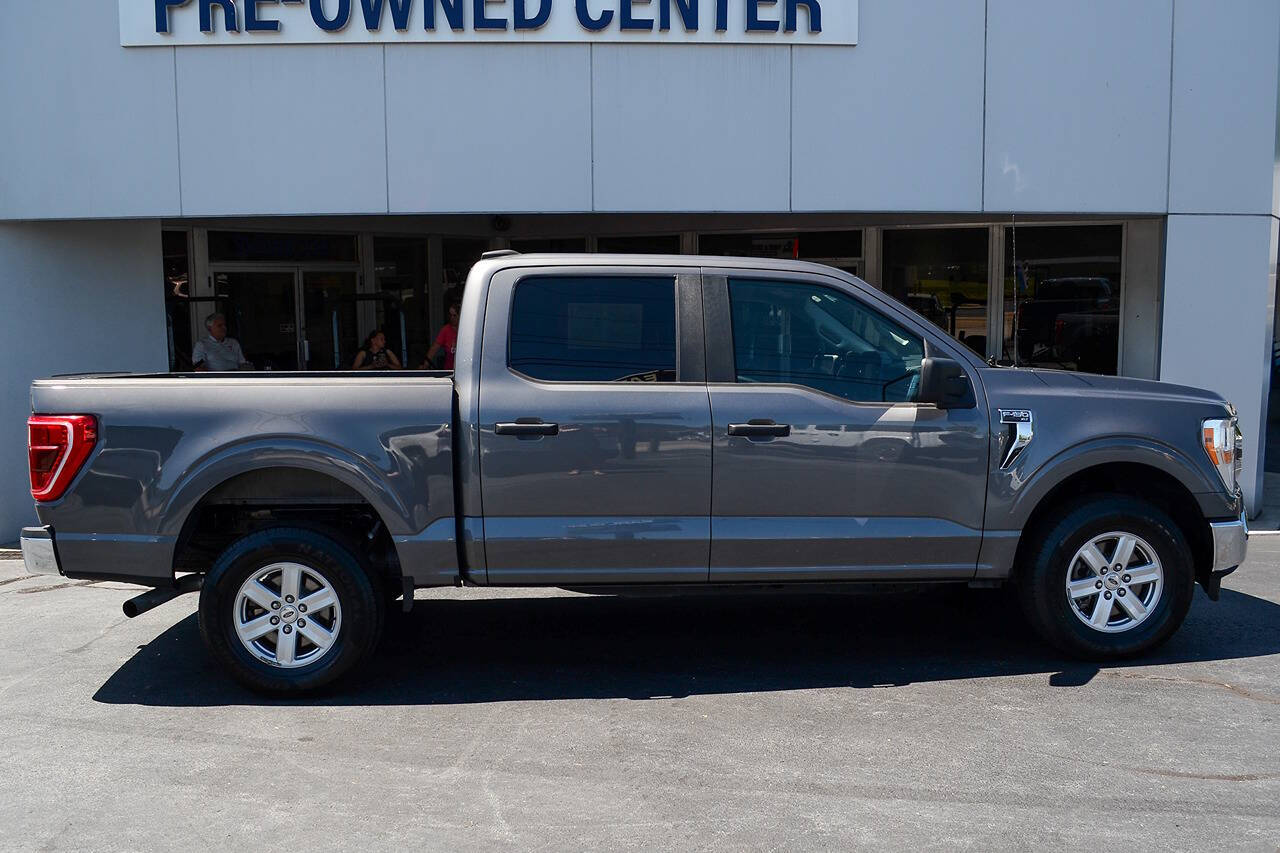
18,578
101,634
1209,777
1242,692
51,587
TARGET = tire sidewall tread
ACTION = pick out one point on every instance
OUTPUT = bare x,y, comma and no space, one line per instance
1055,542
358,592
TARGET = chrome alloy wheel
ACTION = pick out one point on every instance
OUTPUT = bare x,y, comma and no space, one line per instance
287,615
1114,582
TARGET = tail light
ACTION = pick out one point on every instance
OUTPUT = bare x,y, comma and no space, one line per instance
57,447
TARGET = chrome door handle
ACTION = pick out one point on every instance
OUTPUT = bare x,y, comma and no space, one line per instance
760,428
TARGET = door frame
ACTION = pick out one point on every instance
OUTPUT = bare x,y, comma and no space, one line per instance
299,270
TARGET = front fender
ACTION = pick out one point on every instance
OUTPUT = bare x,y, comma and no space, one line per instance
1017,492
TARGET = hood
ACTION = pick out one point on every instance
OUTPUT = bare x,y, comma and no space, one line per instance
1006,386
1125,386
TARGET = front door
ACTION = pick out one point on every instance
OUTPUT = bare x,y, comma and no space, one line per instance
595,428
825,466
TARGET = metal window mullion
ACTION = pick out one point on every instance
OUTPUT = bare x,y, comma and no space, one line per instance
995,292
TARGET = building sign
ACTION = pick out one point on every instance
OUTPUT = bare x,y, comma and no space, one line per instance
222,22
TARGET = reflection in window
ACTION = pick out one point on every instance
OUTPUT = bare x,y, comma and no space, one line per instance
801,334
551,245
594,329
1062,303
177,298
246,246
840,249
941,273
400,274
660,244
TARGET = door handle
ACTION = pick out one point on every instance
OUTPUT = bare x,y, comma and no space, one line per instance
760,428
528,428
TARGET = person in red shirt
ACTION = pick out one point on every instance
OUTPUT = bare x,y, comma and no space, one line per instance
447,340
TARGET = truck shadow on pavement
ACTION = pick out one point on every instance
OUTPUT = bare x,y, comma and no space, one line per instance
604,647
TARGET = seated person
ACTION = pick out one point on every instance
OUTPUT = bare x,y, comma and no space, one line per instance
374,355
217,352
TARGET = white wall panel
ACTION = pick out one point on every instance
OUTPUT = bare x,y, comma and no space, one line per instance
87,128
282,130
881,127
1078,105
692,128
1226,63
78,297
1219,295
489,128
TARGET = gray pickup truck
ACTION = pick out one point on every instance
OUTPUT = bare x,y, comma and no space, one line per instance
623,423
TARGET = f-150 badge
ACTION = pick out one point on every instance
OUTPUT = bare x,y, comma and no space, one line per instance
1018,433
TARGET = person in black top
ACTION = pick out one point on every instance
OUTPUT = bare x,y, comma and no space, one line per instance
374,355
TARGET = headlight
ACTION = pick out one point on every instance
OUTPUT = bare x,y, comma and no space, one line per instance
1224,444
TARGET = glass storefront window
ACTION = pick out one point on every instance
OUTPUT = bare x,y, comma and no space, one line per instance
941,273
1062,301
253,246
658,244
177,298
554,245
460,255
840,249
260,307
400,278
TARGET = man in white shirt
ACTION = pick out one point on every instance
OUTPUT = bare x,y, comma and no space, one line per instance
215,351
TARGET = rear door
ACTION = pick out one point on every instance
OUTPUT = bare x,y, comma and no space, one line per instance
595,427
826,467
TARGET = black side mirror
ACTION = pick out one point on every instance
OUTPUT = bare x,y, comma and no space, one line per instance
944,383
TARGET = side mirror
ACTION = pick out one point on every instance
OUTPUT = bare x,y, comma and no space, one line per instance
944,383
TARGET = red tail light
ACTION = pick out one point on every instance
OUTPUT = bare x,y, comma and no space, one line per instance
57,447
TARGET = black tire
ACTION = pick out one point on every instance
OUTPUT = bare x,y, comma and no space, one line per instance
358,592
1055,542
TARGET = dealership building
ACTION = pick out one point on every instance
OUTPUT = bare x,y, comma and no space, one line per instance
1086,185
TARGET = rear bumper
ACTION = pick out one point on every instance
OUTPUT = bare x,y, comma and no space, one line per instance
38,551
128,558
1230,543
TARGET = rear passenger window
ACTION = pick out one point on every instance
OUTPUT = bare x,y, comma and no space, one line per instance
794,333
594,329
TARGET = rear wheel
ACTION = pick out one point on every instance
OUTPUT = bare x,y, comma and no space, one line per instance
1111,577
288,610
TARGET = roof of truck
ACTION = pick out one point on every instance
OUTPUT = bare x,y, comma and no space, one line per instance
579,259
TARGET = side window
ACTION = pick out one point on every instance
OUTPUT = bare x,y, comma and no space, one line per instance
804,334
594,329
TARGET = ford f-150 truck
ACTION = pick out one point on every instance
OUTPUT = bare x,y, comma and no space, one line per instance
618,423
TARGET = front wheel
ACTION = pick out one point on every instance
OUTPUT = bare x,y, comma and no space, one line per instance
289,610
1112,577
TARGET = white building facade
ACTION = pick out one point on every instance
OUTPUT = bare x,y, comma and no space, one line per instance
1088,185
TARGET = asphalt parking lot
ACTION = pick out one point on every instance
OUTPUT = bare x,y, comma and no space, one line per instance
548,720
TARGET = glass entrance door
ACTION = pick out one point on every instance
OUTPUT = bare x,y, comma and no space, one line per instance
330,334
291,318
261,310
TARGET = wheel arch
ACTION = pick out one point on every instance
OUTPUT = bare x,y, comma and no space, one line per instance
236,493
1137,479
292,454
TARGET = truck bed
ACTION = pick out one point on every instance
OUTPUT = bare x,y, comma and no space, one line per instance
172,445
